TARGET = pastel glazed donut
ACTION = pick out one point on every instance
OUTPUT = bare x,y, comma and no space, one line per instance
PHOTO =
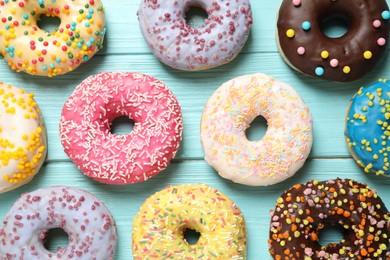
23,141
28,48
180,46
303,210
228,114
367,131
307,49
89,224
160,225
121,159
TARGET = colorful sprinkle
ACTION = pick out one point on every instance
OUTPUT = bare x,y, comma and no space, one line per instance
296,3
306,25
381,41
290,33
319,71
324,54
301,50
377,23
346,69
367,55
385,15
334,63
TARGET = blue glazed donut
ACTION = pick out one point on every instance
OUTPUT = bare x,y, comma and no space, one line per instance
367,130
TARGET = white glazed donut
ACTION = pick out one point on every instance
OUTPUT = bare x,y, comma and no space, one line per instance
229,112
23,141
183,47
28,48
89,224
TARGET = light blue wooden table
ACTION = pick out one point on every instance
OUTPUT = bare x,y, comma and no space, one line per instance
125,50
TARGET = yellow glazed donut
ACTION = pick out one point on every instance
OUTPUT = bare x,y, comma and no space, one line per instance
228,114
22,138
159,226
28,48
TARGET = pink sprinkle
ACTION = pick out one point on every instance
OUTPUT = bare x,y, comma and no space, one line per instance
377,23
308,251
296,3
301,50
334,63
381,224
381,41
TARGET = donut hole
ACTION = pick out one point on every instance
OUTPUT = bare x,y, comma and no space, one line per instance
191,236
48,23
257,129
55,239
122,125
335,25
195,16
331,233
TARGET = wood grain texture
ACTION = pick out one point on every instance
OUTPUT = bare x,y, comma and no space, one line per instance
125,50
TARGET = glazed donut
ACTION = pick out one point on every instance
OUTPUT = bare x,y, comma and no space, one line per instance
88,223
177,44
23,141
121,159
160,225
367,131
307,49
228,114
302,211
28,48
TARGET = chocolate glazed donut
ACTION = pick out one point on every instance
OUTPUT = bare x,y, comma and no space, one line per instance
307,49
305,209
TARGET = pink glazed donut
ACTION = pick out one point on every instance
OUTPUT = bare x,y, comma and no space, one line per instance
183,47
89,224
121,159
